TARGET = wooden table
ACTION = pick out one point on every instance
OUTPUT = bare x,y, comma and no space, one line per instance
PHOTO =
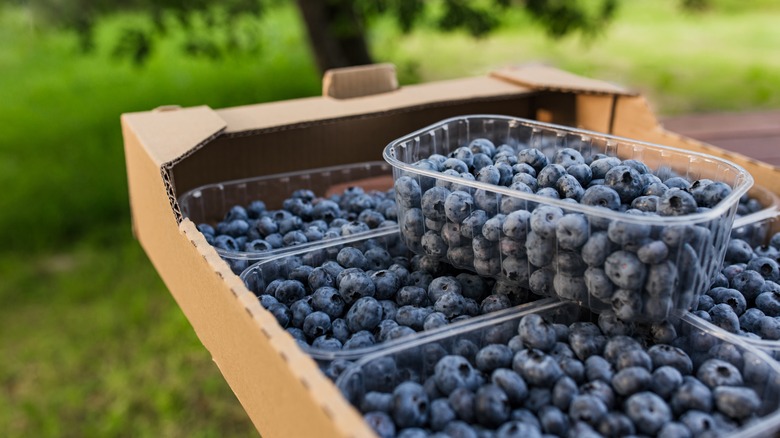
755,134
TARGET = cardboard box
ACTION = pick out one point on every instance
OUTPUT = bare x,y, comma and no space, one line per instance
172,150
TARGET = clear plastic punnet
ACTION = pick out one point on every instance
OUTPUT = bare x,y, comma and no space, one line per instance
756,314
639,264
406,296
452,373
210,203
756,228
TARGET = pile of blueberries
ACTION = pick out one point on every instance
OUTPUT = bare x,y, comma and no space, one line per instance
745,296
539,378
640,271
357,295
303,218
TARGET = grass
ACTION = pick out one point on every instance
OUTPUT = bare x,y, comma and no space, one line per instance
92,343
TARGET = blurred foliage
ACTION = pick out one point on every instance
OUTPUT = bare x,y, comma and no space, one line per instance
201,18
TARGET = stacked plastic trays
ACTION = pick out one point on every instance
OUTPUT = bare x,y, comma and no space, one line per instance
503,376
356,295
421,341
211,204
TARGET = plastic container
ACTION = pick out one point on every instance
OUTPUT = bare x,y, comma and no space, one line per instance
754,228
544,262
258,276
415,361
209,203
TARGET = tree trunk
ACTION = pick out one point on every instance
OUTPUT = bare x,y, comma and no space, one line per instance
336,33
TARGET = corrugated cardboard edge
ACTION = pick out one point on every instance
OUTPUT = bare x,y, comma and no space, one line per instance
365,80
168,135
330,402
541,77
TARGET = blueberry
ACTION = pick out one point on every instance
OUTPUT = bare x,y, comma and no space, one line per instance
386,284
441,414
674,430
411,296
459,429
413,225
536,333
355,284
654,190
536,368
281,313
569,187
494,303
676,202
433,203
596,249
462,401
625,181
413,317
724,317
410,405
267,300
544,220
648,412
582,172
751,319
678,182
769,303
571,288
586,339
510,383
458,206
587,408
441,285
572,231
653,252
473,223
631,380
541,281
716,372
661,279
350,257
527,179
625,270
481,161
327,342
451,304
627,304
563,392
765,266
517,429
631,236
639,166
736,402
453,372
487,201
598,368
289,291
711,194
750,284
300,310
611,325
731,297
738,251
769,328
700,424
601,196
517,225
533,157
601,166
492,228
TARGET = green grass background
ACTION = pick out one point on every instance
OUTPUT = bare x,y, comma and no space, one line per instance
91,343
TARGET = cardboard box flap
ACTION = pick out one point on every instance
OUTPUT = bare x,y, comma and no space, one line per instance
170,133
364,80
245,119
542,77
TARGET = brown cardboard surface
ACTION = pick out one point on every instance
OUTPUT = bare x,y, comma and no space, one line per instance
170,152
296,111
541,77
345,83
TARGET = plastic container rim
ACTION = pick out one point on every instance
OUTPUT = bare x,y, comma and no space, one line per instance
246,255
741,187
